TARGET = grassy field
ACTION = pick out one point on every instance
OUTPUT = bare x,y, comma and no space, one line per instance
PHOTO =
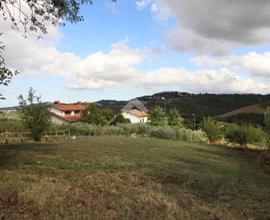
125,178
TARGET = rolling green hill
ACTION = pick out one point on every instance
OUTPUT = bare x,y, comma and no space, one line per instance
200,104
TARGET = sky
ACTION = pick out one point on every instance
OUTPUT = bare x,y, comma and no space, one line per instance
132,48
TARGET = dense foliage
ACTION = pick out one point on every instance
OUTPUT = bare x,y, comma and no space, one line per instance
34,114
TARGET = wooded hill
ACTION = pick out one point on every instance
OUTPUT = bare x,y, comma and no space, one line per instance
200,104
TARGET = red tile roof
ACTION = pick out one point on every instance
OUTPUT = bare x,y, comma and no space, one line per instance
137,113
72,118
68,118
70,107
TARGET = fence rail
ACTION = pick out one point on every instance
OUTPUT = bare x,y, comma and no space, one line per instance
23,136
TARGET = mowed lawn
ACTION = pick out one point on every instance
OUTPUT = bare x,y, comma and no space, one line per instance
128,178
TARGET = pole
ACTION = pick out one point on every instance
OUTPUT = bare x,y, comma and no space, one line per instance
165,108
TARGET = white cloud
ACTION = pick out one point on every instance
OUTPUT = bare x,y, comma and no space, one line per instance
96,71
211,81
256,64
119,67
215,27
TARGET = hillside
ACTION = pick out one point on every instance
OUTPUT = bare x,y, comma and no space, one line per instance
200,104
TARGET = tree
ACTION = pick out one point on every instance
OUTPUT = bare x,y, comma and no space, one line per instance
107,113
267,126
211,128
5,73
34,114
93,115
174,118
120,119
157,117
33,16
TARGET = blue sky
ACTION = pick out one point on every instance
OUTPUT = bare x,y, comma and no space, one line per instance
133,48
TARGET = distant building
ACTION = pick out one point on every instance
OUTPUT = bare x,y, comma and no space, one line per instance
135,111
66,113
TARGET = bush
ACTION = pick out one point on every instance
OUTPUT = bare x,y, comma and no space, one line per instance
181,134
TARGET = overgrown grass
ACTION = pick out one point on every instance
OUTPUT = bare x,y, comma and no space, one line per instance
110,177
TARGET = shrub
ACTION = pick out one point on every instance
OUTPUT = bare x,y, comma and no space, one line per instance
244,134
211,129
142,129
120,119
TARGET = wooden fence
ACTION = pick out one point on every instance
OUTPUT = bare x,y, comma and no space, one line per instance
24,136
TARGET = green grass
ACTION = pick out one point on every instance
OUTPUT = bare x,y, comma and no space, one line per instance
125,178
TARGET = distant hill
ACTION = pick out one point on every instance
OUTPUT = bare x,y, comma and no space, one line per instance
200,104
251,109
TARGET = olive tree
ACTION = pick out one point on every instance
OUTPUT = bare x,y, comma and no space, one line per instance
211,128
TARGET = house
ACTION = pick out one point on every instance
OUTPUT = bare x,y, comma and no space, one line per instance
135,111
66,113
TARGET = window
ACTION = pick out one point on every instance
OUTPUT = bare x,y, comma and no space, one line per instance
77,112
67,112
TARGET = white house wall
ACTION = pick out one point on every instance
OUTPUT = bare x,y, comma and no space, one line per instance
59,121
134,119
56,111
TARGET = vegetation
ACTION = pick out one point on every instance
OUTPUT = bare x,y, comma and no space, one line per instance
5,74
244,134
174,118
202,105
11,125
120,119
157,117
267,126
128,178
34,16
211,128
144,130
34,115
96,116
